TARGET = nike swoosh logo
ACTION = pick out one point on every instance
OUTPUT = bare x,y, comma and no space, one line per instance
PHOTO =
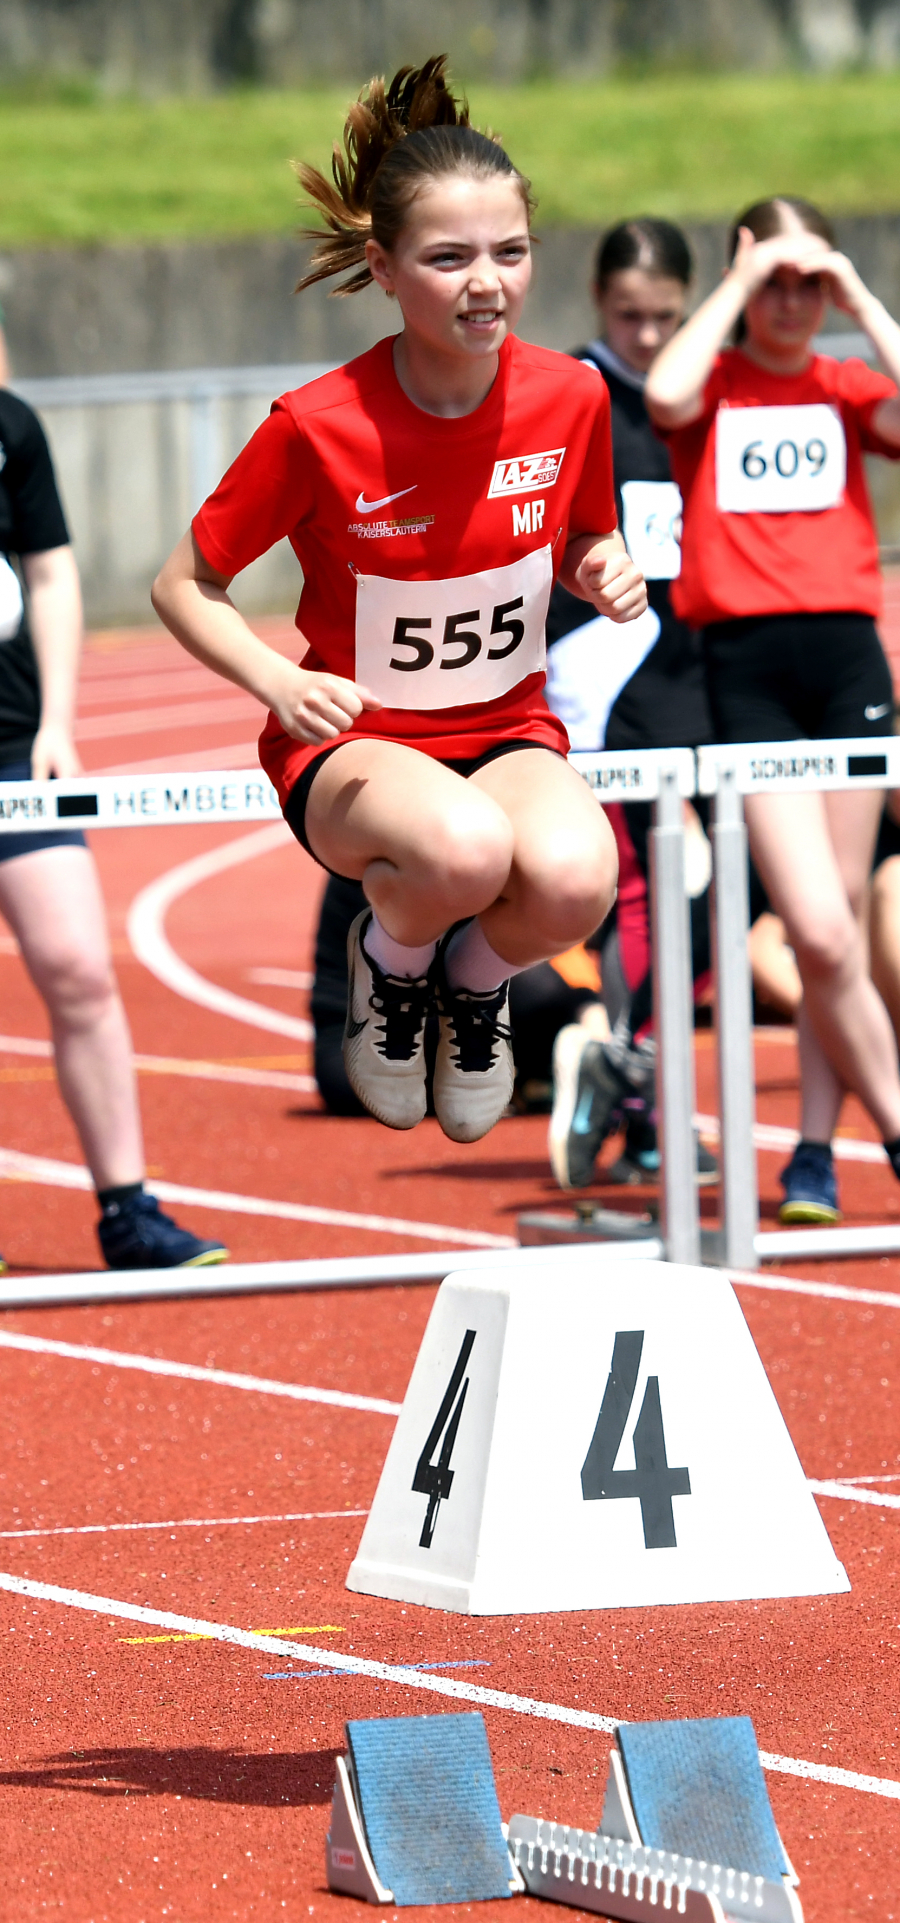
875,714
368,507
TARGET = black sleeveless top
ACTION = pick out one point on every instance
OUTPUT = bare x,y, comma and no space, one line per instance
31,522
665,703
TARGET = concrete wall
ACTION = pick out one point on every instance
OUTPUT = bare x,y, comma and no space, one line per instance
101,310
130,470
151,46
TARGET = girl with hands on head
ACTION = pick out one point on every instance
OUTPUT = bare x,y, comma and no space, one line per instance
780,571
432,491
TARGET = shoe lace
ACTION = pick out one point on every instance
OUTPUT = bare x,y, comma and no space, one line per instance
402,1007
476,1028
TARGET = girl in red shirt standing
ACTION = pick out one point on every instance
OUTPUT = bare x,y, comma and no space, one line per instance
780,570
432,491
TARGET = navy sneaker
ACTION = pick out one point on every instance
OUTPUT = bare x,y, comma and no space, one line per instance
810,1190
137,1235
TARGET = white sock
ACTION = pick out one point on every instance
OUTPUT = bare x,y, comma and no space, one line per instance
472,963
393,957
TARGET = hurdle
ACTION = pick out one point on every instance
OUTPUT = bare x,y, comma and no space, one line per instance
664,778
727,773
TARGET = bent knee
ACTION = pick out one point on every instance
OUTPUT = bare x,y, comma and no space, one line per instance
470,849
572,890
829,947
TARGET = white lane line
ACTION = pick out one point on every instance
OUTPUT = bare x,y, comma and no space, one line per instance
186,714
848,1494
188,1066
226,1378
768,1136
406,1678
281,977
15,1166
797,1285
852,1479
235,754
149,942
186,1522
189,1372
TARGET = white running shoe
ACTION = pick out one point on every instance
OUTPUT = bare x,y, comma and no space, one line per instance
384,1035
473,1073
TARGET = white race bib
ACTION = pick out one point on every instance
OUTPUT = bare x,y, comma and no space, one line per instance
12,606
779,460
448,644
651,524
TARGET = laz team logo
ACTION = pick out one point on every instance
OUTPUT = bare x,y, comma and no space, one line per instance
525,473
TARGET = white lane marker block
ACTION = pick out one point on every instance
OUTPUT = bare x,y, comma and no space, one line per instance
591,1440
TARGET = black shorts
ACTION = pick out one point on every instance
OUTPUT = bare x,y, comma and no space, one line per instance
295,809
780,677
12,845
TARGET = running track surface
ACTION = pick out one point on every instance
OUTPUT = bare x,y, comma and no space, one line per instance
144,1778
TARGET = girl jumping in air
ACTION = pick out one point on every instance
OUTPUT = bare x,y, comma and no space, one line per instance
432,491
780,570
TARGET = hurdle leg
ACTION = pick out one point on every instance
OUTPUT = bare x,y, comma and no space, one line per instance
730,911
673,1009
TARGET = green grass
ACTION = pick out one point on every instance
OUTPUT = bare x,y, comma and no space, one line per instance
77,169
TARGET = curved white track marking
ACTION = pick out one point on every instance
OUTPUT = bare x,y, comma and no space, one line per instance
16,1166
336,1661
190,1372
149,942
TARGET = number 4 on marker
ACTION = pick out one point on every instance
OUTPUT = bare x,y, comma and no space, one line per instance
651,1480
435,1479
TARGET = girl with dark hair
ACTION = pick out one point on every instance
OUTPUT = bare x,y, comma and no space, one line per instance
643,687
780,570
431,490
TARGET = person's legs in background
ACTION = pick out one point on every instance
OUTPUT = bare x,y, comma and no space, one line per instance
53,904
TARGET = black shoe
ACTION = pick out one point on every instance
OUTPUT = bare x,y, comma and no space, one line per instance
137,1235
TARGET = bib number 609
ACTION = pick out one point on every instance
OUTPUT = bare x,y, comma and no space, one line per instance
464,641
785,460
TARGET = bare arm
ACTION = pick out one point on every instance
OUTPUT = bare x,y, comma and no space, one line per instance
56,626
598,568
193,601
677,380
850,294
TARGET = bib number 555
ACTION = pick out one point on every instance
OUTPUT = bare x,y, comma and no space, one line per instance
460,643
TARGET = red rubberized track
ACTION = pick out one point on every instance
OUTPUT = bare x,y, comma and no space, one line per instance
142,1779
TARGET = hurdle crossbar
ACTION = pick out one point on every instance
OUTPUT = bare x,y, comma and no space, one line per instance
137,801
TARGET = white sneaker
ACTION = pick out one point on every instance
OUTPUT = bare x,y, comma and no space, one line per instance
384,1035
473,1073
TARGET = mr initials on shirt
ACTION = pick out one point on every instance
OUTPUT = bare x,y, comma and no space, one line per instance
528,518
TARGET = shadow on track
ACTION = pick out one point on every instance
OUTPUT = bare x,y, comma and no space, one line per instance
201,1775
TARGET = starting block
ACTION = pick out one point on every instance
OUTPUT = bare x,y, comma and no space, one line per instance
687,1827
581,1437
415,1817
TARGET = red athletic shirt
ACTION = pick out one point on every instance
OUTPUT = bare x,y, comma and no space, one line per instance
428,545
787,560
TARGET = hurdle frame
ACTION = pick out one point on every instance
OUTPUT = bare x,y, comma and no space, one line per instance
728,773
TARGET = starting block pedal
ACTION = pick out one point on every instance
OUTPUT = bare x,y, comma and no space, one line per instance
415,1817
687,1827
